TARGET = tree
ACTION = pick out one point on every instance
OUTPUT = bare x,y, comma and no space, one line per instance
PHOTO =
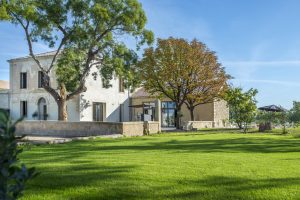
86,34
267,118
294,115
165,72
208,81
242,106
12,176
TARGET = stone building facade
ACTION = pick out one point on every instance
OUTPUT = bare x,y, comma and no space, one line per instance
215,114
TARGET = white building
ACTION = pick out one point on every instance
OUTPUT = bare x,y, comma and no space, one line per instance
27,98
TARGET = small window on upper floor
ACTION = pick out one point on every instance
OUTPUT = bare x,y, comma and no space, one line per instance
23,80
121,85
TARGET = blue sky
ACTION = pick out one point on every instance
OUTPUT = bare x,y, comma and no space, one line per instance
257,41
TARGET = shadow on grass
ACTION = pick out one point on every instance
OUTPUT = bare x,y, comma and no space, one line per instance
57,153
238,145
103,182
223,187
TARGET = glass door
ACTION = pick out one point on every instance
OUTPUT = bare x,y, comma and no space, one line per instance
168,112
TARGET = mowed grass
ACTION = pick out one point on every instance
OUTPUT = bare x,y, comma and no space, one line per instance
196,165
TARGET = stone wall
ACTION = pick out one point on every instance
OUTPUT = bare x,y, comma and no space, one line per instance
221,114
132,128
151,127
83,129
190,125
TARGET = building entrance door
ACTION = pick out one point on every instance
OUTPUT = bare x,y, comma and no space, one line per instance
168,114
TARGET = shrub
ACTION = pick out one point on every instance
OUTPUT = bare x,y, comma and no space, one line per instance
13,175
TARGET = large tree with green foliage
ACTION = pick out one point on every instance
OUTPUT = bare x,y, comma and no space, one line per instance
242,106
86,33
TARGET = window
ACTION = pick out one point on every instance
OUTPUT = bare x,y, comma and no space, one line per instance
168,114
99,111
121,84
23,80
41,80
23,108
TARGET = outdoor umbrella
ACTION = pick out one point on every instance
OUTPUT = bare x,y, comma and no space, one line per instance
272,108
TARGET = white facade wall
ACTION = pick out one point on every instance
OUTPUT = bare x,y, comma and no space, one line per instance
32,93
111,96
79,108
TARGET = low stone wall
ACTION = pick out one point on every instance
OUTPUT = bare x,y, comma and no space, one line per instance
83,129
151,127
132,128
190,125
68,129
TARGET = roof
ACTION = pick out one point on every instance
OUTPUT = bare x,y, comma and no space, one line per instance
45,54
141,92
4,84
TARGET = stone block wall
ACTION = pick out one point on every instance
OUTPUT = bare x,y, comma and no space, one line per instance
221,114
84,129
190,125
151,127
132,128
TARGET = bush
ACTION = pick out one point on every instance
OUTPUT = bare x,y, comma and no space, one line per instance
13,175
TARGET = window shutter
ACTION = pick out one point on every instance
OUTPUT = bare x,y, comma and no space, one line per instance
21,108
25,108
103,112
21,80
39,80
94,112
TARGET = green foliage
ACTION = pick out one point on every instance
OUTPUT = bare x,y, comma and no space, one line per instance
294,116
69,67
87,33
242,106
13,176
277,118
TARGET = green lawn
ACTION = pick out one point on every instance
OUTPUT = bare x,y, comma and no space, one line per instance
168,166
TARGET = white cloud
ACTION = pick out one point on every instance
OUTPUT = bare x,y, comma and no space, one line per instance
265,81
257,63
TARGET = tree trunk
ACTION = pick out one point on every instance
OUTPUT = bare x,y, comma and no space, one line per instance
178,116
239,125
62,104
62,110
192,113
